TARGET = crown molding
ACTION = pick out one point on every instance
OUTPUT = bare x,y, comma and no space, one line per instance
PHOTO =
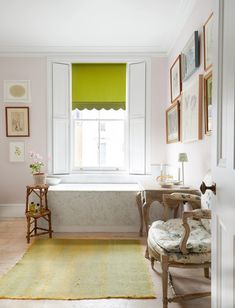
12,51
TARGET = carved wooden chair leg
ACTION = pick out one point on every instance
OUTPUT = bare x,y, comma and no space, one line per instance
28,229
139,204
152,262
35,226
207,272
49,221
165,281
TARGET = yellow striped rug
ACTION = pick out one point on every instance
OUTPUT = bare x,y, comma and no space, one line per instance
79,269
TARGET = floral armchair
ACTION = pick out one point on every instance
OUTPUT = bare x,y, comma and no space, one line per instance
181,242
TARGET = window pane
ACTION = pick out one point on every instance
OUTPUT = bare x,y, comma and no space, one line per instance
85,114
112,144
112,114
86,144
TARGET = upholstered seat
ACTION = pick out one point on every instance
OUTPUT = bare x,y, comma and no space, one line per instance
168,235
182,242
165,237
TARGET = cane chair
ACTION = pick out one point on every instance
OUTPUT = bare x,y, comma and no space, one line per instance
181,242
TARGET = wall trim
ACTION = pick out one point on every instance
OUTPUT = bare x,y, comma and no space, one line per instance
12,210
17,51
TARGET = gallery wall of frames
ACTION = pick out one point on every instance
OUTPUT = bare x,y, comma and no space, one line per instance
17,97
191,92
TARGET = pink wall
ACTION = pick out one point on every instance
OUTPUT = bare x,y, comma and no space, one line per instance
15,176
199,152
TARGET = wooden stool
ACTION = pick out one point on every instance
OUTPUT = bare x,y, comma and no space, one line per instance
43,211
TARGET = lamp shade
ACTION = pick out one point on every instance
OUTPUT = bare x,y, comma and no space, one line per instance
183,157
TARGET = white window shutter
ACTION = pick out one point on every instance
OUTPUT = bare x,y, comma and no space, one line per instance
61,117
137,127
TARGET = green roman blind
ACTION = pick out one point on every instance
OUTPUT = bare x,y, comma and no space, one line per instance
99,86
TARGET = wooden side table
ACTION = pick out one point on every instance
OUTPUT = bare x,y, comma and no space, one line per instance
150,192
43,212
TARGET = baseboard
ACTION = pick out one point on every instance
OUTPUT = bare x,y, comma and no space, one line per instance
12,210
101,229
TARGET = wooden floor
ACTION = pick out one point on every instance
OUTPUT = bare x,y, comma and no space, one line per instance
13,245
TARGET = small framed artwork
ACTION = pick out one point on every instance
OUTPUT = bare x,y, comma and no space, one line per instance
173,123
191,111
190,59
208,103
16,152
175,79
208,42
17,91
17,121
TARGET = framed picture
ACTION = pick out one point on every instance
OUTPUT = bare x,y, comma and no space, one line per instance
17,91
16,152
17,121
175,79
208,42
191,111
208,103
190,59
173,123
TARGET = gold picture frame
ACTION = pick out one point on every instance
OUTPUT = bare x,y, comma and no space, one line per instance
208,42
175,79
173,123
208,103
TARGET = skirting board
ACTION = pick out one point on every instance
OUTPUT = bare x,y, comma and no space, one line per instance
12,210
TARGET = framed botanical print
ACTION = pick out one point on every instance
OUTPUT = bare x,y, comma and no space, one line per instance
16,151
17,121
208,103
17,91
173,123
191,111
190,59
175,79
208,42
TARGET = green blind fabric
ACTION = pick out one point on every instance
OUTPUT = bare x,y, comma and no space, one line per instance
99,86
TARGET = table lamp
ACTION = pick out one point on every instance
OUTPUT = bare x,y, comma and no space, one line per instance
183,158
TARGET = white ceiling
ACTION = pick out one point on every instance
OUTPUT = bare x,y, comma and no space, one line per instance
69,25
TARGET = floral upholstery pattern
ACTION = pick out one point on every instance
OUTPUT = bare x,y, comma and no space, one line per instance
206,201
186,197
196,258
168,234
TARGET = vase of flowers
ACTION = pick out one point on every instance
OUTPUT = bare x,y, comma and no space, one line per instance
38,176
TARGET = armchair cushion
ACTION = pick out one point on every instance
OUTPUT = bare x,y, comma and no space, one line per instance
168,235
177,257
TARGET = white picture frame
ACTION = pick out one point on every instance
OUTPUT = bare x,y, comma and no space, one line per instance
17,151
191,110
17,91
